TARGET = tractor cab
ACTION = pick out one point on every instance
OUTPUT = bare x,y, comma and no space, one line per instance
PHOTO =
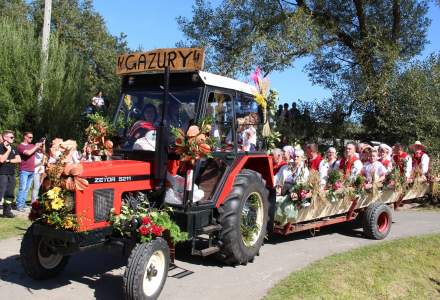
179,94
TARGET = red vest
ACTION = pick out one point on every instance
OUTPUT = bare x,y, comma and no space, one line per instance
385,162
314,163
345,165
416,161
277,167
398,159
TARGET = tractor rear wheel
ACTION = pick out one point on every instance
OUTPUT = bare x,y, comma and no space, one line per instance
38,258
377,221
244,217
147,270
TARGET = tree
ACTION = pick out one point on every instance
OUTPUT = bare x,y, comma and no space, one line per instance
355,44
412,111
84,31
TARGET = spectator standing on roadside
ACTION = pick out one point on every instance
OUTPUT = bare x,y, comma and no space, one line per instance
8,157
27,168
40,162
294,112
284,116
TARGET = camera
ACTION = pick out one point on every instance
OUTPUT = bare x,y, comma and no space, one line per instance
42,140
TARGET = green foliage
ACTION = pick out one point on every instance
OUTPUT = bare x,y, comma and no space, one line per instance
400,269
130,220
81,61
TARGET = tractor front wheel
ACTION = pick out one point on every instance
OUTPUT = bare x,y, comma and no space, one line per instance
243,217
147,270
38,258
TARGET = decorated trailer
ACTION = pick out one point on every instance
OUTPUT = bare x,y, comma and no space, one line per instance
180,171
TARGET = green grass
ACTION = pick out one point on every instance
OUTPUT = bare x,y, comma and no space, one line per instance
13,227
402,269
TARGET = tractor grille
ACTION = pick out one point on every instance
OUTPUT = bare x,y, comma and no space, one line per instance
102,204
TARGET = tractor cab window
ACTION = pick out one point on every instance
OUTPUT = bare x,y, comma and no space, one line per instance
219,110
248,123
140,115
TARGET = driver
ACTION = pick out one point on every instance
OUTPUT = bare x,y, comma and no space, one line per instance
143,133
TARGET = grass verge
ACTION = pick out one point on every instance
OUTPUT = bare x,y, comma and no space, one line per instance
13,227
402,269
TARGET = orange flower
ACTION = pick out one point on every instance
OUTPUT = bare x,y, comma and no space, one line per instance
108,144
193,131
201,138
204,148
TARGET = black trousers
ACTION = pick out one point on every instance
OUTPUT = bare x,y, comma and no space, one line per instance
7,187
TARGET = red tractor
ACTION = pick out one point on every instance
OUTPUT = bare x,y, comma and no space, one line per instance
225,201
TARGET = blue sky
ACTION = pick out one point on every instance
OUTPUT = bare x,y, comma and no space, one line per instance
152,24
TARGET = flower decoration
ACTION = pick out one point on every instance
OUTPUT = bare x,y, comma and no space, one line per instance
55,208
195,143
262,88
97,134
145,223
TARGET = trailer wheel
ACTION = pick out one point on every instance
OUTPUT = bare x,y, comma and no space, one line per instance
37,257
377,221
147,270
244,217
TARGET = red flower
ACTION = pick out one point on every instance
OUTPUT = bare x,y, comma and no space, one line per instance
156,230
146,220
144,230
302,195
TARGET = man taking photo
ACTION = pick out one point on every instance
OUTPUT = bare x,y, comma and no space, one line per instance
26,150
8,157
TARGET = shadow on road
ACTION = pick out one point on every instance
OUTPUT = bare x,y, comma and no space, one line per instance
90,268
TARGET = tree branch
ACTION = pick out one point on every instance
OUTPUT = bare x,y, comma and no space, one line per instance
396,20
361,17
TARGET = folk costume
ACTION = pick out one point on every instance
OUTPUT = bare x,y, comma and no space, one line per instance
404,162
372,170
326,167
387,160
351,167
420,160
277,166
313,164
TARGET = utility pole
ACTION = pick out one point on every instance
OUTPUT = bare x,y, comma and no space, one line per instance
45,46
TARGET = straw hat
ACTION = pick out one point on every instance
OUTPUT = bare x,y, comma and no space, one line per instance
416,145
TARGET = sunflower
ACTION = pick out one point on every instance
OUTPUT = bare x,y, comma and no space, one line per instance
68,223
53,193
57,203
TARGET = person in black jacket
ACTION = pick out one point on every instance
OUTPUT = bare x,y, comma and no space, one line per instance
8,157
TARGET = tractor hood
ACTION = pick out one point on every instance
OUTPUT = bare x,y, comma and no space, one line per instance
115,168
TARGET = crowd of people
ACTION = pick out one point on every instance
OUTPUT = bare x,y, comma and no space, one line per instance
32,160
292,165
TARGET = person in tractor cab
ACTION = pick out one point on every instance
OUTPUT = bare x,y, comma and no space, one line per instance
142,135
420,159
313,157
249,135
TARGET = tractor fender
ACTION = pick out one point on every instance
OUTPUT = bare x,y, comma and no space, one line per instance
258,163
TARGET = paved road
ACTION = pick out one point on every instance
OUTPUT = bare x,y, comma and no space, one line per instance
97,274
